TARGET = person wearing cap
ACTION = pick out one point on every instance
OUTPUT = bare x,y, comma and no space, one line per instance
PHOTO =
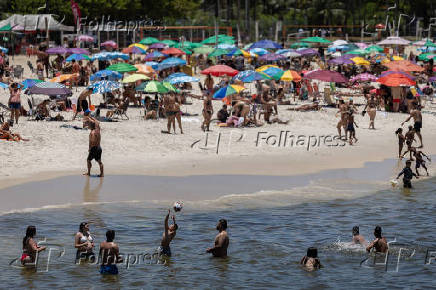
82,103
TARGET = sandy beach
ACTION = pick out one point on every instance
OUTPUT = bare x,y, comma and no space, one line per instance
137,146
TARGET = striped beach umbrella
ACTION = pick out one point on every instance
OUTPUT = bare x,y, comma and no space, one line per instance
104,86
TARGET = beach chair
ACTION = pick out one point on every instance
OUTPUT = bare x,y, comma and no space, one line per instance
122,111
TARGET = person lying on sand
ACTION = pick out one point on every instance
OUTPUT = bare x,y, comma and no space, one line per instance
308,107
6,134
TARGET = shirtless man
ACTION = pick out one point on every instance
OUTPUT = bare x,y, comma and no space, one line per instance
417,117
350,127
343,120
109,253
168,235
207,113
358,238
94,145
379,244
221,240
76,72
82,103
420,161
410,137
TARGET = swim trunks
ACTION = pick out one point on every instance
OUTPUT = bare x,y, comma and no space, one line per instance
417,126
109,269
95,153
407,183
350,127
15,106
164,251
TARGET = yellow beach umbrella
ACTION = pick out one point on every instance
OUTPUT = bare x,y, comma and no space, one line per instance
135,77
144,69
290,75
63,78
396,57
360,61
144,47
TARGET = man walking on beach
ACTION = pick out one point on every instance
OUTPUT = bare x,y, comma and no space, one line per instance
417,117
94,145
221,240
168,236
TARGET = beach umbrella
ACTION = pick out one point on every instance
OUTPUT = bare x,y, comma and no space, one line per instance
63,78
109,43
364,77
428,43
426,56
432,79
360,61
187,51
4,49
340,60
394,40
396,57
227,91
339,42
272,57
221,39
266,44
106,74
217,52
288,53
122,67
101,56
169,42
116,54
49,88
226,46
77,50
326,76
361,45
316,39
421,42
247,46
307,52
153,64
389,72
85,38
171,62
153,55
144,69
141,46
28,83
149,40
374,48
187,44
274,72
357,52
155,87
249,76
220,70
133,50
173,51
77,57
403,65
203,50
396,80
57,50
104,86
300,44
291,75
3,85
178,78
264,67
158,45
134,78
258,51
170,87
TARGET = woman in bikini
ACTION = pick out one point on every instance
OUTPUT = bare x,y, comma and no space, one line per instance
372,111
84,243
207,113
6,134
30,247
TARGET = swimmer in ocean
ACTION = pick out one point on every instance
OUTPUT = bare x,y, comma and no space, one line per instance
357,238
408,175
379,244
168,236
221,240
311,260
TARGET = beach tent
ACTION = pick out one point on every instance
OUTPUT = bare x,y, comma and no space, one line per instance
33,22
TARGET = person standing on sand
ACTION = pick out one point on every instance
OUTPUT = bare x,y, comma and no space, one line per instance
350,127
15,101
94,145
343,120
168,236
408,175
417,117
221,240
372,111
207,113
109,252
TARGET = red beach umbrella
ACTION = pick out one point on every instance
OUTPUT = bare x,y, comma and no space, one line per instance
173,51
326,76
220,70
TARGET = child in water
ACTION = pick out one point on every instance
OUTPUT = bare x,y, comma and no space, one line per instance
408,175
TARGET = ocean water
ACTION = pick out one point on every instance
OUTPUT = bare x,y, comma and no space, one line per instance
270,230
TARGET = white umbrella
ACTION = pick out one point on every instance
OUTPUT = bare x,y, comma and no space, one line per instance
394,40
339,42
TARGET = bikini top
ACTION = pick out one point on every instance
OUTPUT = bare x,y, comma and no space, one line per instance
84,238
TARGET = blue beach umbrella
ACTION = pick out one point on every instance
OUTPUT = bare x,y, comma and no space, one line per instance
3,85
28,83
153,64
249,76
266,44
259,51
102,87
77,57
171,62
106,74
178,78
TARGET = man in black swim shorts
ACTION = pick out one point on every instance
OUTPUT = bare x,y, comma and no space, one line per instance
94,145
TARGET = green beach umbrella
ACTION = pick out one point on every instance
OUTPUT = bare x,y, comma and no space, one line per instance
188,45
357,52
247,46
122,67
149,40
221,39
316,39
217,52
169,42
7,27
427,56
300,44
428,43
203,50
374,48
185,50
155,87
170,87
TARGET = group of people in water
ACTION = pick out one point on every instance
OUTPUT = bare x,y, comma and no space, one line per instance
109,252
